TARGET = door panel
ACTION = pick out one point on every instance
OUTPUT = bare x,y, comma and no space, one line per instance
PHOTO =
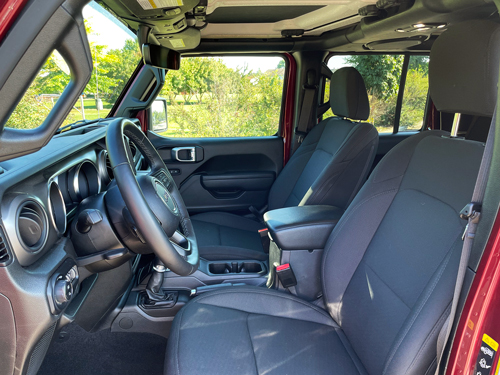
222,174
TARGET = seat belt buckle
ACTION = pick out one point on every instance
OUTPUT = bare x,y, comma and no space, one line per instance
286,275
264,238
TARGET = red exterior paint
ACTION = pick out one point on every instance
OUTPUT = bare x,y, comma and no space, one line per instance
142,117
481,312
287,130
8,14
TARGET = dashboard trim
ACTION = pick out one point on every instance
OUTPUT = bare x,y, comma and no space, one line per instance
51,211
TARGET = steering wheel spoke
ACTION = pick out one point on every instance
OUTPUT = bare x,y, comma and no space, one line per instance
180,240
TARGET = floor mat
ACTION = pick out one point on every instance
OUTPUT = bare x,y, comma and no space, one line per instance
104,352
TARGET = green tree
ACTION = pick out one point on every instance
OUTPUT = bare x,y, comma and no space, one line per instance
209,99
52,79
382,73
419,63
114,69
414,100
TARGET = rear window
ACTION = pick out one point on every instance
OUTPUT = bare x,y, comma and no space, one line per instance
383,78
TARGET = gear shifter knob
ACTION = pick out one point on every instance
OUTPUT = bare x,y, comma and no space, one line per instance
153,289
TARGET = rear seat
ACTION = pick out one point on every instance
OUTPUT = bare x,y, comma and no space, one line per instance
328,168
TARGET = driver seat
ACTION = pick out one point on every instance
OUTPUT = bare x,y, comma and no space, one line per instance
389,267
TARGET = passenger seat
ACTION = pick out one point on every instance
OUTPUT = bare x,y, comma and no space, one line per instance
328,168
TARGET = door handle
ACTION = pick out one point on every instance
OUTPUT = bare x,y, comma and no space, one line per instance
184,154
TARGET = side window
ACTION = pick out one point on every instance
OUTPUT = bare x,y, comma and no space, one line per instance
42,94
115,55
382,75
415,94
227,96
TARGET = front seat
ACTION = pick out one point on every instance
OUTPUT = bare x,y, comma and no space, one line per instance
328,168
390,265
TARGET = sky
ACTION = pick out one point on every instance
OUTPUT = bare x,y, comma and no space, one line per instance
105,31
255,63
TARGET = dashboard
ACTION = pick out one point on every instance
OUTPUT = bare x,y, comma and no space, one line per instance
45,272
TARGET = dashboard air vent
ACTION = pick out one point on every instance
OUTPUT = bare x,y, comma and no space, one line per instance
5,256
32,225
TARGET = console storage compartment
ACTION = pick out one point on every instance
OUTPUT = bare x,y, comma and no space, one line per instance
298,237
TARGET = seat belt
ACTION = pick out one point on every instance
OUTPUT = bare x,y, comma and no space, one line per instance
309,103
307,109
471,213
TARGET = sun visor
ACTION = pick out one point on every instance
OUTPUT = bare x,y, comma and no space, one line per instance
185,40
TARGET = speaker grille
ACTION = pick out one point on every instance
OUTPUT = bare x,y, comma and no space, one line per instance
5,256
40,350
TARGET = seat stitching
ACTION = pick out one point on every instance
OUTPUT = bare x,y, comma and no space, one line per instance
438,324
251,343
338,230
383,282
430,366
432,196
350,352
419,309
317,309
326,152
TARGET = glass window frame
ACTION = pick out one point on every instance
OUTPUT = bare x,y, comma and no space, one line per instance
279,131
402,85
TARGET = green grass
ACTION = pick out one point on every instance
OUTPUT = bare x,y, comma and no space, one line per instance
91,112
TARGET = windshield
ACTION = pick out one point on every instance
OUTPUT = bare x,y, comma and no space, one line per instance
115,55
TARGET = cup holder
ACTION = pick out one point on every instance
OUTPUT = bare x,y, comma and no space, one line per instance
220,268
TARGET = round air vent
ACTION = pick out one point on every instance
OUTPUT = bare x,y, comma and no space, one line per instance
83,181
32,225
104,167
57,207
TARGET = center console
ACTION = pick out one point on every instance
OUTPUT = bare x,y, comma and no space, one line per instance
297,237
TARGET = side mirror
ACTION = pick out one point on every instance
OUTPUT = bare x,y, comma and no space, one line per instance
161,57
158,115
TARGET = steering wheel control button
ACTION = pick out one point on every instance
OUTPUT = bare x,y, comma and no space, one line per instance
165,196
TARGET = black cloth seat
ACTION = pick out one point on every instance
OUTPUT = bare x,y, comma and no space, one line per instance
329,168
389,267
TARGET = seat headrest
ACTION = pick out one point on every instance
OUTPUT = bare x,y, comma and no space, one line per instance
348,96
463,68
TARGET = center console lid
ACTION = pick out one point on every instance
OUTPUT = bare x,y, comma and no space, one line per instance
302,227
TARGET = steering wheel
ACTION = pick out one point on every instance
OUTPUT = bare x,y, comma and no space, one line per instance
153,200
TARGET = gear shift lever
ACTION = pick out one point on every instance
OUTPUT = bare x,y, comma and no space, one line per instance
153,289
